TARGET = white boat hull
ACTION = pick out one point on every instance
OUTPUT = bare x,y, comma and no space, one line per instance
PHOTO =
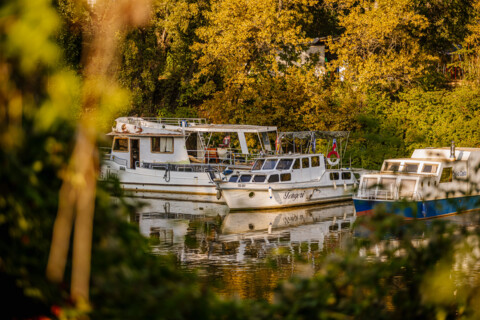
157,184
267,197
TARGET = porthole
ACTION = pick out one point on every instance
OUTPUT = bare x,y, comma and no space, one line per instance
251,194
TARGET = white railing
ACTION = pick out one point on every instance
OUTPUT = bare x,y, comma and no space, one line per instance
380,194
230,157
120,161
169,121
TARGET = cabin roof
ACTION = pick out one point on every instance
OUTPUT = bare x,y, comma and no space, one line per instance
159,134
444,153
225,128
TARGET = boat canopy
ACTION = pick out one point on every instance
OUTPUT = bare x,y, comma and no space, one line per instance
315,134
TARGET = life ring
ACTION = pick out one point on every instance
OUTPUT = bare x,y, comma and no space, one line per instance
333,152
333,162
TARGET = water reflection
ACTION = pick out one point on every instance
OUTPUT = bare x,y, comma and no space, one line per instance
245,253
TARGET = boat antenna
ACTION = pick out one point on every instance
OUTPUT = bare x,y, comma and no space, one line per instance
452,151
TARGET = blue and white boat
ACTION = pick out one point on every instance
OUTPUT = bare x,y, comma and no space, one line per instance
434,182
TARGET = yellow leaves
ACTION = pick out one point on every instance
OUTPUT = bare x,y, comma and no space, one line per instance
64,104
381,43
28,25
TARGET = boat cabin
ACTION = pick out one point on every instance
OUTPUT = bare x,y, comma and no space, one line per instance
429,173
145,142
290,168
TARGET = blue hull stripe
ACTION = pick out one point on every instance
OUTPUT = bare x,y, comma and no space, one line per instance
419,209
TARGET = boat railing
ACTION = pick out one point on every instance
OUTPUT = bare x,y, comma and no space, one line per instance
198,167
169,121
228,156
380,194
117,160
377,194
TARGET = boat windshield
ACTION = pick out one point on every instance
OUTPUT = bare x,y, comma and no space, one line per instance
284,164
269,164
258,164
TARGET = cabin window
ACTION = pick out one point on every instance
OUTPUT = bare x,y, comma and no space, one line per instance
296,164
334,175
305,163
120,144
258,164
285,177
284,164
407,188
259,178
245,178
161,144
388,184
273,178
391,166
410,167
346,175
233,178
357,176
369,183
315,161
269,164
430,168
447,175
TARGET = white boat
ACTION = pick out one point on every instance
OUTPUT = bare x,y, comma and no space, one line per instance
287,180
434,182
172,158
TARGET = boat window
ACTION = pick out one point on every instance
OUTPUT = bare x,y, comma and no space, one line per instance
410,167
161,144
296,164
357,176
388,184
233,178
407,188
258,164
285,177
391,166
273,178
284,164
245,178
259,178
446,175
305,163
430,168
369,183
346,175
269,164
120,144
334,176
315,161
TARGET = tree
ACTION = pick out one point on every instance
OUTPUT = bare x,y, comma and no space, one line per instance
246,57
381,43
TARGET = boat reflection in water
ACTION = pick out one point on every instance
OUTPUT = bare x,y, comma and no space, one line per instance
245,253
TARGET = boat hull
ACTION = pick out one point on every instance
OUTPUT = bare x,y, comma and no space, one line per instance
426,209
270,198
173,185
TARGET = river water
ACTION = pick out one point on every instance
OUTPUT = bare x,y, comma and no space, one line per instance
246,254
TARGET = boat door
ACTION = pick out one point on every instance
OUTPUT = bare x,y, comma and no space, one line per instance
134,152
